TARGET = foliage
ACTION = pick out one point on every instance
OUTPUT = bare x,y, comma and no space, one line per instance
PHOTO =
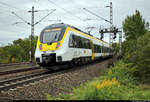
122,72
18,51
135,26
116,48
116,83
99,90
136,48
140,58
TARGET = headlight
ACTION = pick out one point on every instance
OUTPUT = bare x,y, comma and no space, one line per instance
58,44
40,46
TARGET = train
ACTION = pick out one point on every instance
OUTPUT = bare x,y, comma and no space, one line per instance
60,44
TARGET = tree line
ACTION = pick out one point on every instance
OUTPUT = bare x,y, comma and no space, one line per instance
136,47
18,51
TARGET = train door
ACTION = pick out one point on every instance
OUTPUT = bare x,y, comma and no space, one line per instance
92,47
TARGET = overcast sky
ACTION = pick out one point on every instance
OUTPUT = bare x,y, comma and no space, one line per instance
68,11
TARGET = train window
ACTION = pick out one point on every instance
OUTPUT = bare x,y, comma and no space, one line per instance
70,41
89,47
79,42
74,41
85,45
97,48
88,43
105,49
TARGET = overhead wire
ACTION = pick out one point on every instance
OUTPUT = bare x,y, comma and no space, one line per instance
10,6
21,18
34,2
66,11
45,16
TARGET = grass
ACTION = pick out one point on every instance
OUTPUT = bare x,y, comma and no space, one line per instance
145,90
116,83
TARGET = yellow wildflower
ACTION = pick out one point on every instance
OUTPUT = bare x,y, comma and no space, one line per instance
109,83
114,79
118,85
98,86
95,83
110,72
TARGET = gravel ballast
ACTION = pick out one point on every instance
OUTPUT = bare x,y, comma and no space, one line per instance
62,83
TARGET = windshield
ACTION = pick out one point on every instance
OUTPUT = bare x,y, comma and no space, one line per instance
51,35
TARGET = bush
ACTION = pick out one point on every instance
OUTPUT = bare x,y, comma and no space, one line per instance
115,84
18,51
122,72
140,59
99,90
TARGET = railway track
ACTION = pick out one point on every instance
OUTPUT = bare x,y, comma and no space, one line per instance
20,81
19,70
13,64
23,80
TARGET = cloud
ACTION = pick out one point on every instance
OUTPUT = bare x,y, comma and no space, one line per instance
72,13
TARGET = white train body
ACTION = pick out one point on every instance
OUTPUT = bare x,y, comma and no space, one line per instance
71,45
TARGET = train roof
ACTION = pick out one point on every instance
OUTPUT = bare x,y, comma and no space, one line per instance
63,25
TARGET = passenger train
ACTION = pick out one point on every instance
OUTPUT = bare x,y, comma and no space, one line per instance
65,44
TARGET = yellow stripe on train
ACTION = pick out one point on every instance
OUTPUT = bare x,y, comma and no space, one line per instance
51,47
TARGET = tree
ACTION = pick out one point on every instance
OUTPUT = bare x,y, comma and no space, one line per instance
136,47
140,58
116,48
135,26
18,51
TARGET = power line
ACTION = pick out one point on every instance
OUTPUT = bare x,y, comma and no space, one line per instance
8,5
21,18
59,20
43,10
68,12
34,2
45,16
89,19
65,10
17,23
96,15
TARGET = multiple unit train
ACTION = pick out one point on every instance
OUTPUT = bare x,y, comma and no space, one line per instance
62,43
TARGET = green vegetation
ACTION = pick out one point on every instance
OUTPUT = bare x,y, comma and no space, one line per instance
17,52
135,26
140,59
129,78
116,48
136,48
116,83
